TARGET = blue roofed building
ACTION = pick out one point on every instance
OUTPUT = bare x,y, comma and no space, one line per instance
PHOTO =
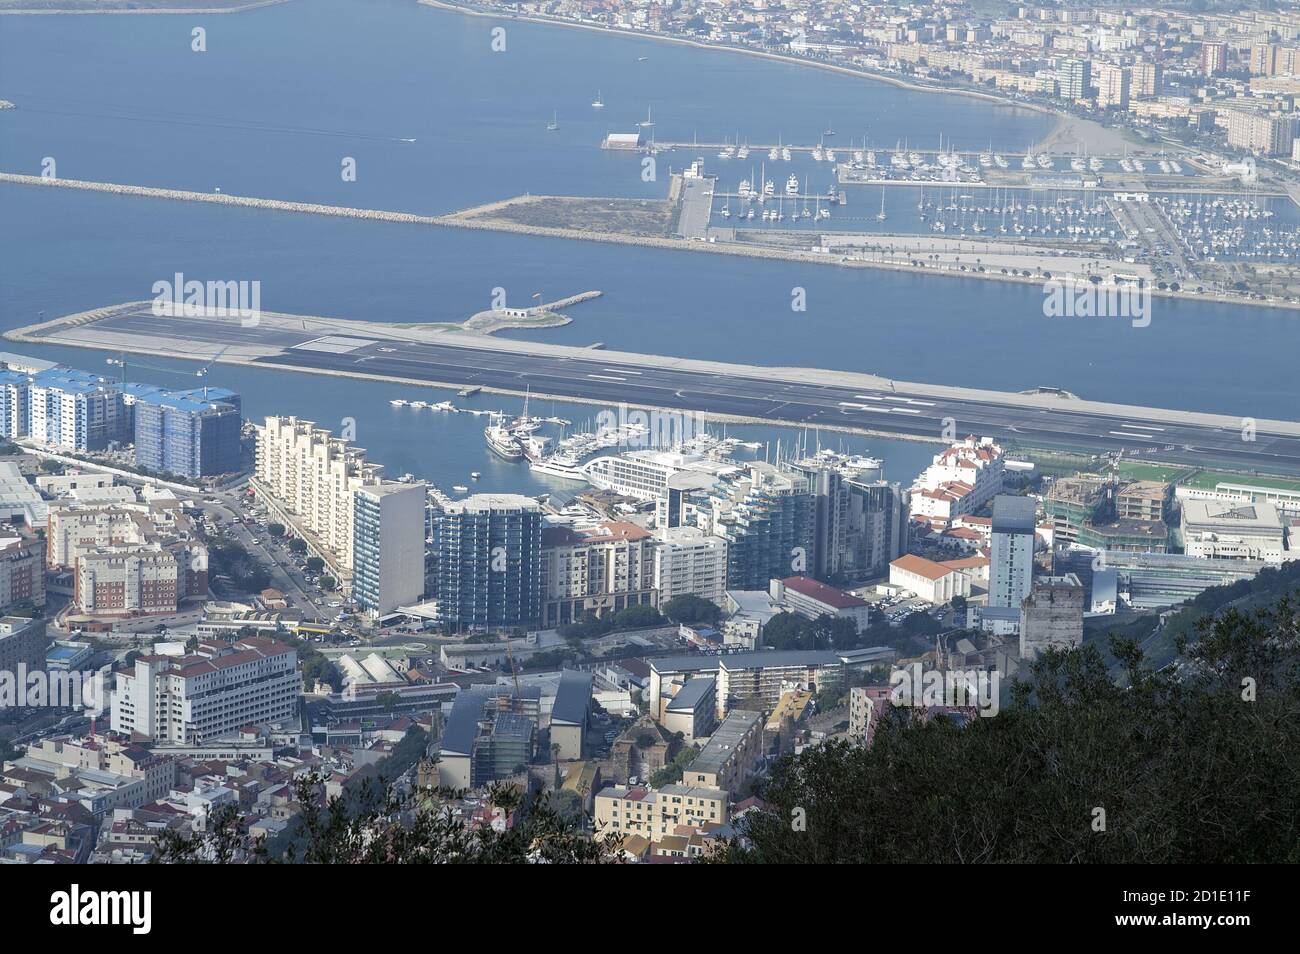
75,409
14,387
189,433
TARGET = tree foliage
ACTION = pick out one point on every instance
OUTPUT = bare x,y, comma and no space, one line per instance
1194,763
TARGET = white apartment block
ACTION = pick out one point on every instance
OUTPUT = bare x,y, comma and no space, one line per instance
388,545
689,561
960,480
209,694
314,474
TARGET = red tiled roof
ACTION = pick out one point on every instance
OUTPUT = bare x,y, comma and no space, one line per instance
823,593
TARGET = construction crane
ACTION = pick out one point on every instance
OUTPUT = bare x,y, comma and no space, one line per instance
121,362
510,657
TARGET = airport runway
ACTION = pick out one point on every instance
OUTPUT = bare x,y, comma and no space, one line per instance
737,390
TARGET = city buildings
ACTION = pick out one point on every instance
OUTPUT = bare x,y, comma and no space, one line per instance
690,562
604,569
768,520
188,433
692,710
570,713
1220,531
931,581
757,677
811,599
210,693
1011,562
367,529
312,475
135,558
490,732
75,410
388,545
1268,134
960,480
23,642
22,568
731,755
488,550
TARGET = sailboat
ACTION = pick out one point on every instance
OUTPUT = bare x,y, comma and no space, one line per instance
880,216
648,122
554,124
597,103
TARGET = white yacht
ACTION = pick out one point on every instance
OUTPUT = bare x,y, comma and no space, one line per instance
499,439
792,185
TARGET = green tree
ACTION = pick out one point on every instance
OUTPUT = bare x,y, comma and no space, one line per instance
691,609
1188,764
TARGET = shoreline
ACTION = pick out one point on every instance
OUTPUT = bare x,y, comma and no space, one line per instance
1062,119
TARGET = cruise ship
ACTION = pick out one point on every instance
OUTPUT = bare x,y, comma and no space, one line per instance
500,441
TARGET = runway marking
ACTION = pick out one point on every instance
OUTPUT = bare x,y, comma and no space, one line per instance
866,397
1136,437
867,407
606,377
621,370
1142,427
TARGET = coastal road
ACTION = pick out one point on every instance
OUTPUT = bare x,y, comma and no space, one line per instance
813,398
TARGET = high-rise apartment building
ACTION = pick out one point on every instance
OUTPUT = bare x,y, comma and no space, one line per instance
75,410
190,433
388,545
488,572
313,475
769,522
1113,86
690,562
1011,567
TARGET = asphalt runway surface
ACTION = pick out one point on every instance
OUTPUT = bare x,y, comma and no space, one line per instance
598,377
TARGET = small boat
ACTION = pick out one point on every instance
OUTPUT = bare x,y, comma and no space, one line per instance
554,124
597,103
398,402
474,475
460,488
